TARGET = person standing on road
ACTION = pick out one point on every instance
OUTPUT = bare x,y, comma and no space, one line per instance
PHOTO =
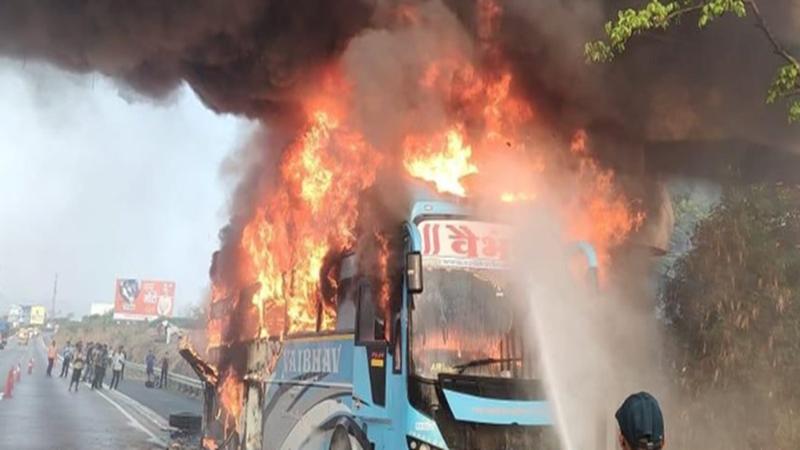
100,364
66,354
52,352
77,367
122,372
641,424
162,382
150,362
117,362
89,362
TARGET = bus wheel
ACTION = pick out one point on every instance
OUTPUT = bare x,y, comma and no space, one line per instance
340,440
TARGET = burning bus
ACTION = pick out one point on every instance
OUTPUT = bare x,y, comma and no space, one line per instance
336,321
425,349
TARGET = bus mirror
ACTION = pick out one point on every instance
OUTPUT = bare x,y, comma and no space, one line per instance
414,272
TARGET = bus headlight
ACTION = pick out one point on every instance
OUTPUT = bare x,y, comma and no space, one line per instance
415,444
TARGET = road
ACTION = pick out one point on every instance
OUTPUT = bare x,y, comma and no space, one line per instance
42,414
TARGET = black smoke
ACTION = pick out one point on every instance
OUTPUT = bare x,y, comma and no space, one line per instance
256,57
245,57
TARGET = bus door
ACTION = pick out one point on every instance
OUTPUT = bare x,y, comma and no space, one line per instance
370,359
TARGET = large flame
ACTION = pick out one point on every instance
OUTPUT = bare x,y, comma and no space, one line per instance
442,159
312,212
231,394
489,145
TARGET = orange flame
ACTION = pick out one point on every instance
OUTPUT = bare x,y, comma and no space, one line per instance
313,212
209,443
486,144
231,394
383,274
485,132
600,213
443,160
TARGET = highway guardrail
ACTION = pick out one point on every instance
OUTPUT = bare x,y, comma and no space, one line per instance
189,385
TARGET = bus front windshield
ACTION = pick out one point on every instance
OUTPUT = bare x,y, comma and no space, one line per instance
464,322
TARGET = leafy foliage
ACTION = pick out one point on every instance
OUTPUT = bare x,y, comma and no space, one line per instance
787,84
660,15
794,111
734,306
717,8
629,23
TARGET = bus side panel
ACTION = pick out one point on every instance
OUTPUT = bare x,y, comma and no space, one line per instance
310,388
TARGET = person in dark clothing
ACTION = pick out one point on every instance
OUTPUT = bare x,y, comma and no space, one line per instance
117,362
88,372
67,357
641,424
100,364
162,383
150,363
77,367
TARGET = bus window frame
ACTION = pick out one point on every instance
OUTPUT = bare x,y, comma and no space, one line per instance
363,285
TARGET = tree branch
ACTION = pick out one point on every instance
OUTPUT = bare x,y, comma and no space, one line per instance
779,49
683,11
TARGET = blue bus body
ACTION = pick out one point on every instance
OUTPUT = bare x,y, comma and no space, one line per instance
347,389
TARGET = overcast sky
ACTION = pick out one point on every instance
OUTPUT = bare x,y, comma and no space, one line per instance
96,185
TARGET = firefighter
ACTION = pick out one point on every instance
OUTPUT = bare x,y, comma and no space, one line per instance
641,424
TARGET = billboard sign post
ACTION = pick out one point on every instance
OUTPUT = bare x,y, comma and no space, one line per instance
143,299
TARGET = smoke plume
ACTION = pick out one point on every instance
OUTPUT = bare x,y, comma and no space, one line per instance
245,57
255,57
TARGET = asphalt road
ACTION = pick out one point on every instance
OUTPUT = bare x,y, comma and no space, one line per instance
162,402
42,415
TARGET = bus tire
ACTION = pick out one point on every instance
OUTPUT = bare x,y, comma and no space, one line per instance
340,440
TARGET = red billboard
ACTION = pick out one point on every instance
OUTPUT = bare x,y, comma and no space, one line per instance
143,299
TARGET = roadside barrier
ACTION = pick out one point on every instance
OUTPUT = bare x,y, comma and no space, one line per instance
178,382
188,385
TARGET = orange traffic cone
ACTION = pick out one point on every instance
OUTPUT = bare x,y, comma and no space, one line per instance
9,384
19,372
30,366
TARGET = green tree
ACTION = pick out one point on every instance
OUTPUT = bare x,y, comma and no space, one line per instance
733,305
659,15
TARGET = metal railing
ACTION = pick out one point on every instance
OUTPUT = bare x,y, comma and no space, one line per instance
190,385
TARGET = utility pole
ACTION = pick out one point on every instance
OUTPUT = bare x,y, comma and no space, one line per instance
55,291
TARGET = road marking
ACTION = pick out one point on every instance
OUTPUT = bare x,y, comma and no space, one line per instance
148,413
135,423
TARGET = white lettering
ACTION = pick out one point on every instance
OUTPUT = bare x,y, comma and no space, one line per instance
327,366
337,353
316,360
316,364
306,360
